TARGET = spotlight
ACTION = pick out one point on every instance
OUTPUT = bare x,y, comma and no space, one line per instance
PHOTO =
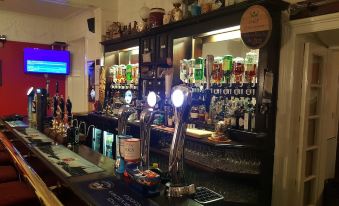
178,98
152,99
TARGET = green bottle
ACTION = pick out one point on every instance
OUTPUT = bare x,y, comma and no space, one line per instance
227,67
199,70
129,73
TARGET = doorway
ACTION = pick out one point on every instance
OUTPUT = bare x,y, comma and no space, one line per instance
307,115
317,146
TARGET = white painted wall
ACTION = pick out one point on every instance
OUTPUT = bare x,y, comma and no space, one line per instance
76,81
78,36
30,28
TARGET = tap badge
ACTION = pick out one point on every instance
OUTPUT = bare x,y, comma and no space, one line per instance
128,97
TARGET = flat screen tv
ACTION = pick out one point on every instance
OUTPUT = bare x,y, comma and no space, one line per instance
46,61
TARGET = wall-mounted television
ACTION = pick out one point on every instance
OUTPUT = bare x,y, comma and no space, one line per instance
46,61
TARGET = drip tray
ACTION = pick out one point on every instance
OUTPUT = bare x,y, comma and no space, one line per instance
206,196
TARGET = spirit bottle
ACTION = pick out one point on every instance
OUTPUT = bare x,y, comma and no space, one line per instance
202,111
251,61
227,67
194,115
247,114
239,113
113,71
227,117
135,74
123,74
238,69
254,102
217,73
191,64
129,74
232,112
199,70
184,70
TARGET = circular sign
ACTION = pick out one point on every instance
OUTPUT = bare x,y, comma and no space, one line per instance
256,27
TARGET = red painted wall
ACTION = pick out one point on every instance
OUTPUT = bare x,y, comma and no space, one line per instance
15,82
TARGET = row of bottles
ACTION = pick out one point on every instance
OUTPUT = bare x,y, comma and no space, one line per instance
226,69
238,113
125,74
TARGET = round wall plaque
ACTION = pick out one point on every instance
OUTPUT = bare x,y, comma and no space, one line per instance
256,27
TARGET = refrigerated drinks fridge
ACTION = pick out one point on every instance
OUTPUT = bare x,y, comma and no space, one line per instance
97,140
108,142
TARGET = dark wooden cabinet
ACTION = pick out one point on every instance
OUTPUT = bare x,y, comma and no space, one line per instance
163,49
147,50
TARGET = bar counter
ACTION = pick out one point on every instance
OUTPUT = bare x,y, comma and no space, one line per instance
238,188
118,192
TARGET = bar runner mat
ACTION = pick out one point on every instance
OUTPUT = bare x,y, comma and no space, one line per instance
110,191
16,123
68,162
31,135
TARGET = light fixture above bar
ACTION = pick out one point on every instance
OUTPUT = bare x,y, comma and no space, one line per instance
221,34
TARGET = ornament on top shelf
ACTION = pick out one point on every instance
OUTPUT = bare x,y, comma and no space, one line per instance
114,31
144,15
177,14
167,18
216,5
156,17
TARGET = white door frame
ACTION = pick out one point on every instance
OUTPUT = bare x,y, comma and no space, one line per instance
285,191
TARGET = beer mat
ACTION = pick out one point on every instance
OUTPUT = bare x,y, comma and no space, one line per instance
31,135
16,123
66,161
110,191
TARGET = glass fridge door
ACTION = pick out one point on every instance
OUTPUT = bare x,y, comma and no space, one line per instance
108,141
96,141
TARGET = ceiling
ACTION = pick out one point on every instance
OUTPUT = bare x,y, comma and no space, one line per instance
49,8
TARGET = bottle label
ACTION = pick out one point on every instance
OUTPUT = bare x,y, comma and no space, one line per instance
241,122
170,122
246,118
227,65
233,121
253,123
194,115
227,121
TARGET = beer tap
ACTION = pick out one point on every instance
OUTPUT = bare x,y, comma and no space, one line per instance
146,119
124,112
182,100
